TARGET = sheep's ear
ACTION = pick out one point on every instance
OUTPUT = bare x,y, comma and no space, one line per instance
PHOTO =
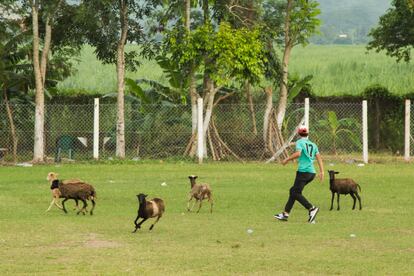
195,177
336,172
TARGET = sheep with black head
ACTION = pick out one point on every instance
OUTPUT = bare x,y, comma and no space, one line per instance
148,209
343,186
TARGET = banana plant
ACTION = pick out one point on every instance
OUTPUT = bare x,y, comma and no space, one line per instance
335,127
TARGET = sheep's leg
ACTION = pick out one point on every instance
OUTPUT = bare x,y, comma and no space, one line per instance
50,206
63,205
158,218
137,226
338,200
93,206
77,205
332,200
211,204
142,221
354,198
199,205
188,203
57,203
359,200
194,203
54,201
83,208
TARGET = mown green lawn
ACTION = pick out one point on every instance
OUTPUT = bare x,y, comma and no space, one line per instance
182,243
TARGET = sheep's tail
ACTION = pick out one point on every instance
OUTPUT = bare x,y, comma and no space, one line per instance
359,187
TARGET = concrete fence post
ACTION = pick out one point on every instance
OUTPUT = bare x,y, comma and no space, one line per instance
307,113
365,131
200,142
407,130
96,129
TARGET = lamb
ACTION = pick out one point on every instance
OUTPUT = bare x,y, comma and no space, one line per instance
148,209
55,191
199,192
343,186
77,191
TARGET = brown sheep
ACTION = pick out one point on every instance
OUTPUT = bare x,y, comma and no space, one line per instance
199,192
55,191
73,190
343,186
148,209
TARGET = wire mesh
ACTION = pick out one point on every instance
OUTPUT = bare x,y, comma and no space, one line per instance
164,131
337,129
411,130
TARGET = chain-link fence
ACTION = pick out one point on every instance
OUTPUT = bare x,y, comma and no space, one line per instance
411,142
165,131
337,129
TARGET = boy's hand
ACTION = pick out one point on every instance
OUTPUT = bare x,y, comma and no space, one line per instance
321,175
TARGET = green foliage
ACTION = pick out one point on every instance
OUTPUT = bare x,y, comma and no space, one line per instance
334,130
232,53
304,21
297,85
101,23
395,33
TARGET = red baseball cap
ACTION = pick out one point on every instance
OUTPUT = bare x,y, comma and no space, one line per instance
302,130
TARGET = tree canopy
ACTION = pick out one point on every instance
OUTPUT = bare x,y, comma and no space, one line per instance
395,32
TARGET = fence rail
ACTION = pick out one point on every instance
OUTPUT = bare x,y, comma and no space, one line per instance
164,131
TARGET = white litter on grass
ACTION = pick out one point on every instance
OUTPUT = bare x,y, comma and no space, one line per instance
111,181
352,235
331,164
249,231
163,184
361,165
24,165
110,158
135,159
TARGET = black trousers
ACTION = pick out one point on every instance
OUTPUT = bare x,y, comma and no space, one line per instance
302,178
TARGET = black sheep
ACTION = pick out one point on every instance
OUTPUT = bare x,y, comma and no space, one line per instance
343,186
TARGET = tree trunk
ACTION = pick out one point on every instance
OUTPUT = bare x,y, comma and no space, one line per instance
281,109
210,104
12,126
249,96
38,151
46,48
120,70
187,12
193,92
268,112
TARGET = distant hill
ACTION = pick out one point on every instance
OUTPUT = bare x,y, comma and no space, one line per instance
348,21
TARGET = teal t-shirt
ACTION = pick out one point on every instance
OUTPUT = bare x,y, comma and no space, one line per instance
308,151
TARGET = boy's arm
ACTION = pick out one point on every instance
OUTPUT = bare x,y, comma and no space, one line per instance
294,156
320,164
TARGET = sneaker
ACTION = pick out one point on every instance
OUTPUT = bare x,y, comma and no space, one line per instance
281,216
312,213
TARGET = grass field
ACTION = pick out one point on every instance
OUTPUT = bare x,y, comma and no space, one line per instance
337,70
182,243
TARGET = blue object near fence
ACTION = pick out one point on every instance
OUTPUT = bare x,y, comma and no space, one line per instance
65,143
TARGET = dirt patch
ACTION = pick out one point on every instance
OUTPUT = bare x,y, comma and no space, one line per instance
93,241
